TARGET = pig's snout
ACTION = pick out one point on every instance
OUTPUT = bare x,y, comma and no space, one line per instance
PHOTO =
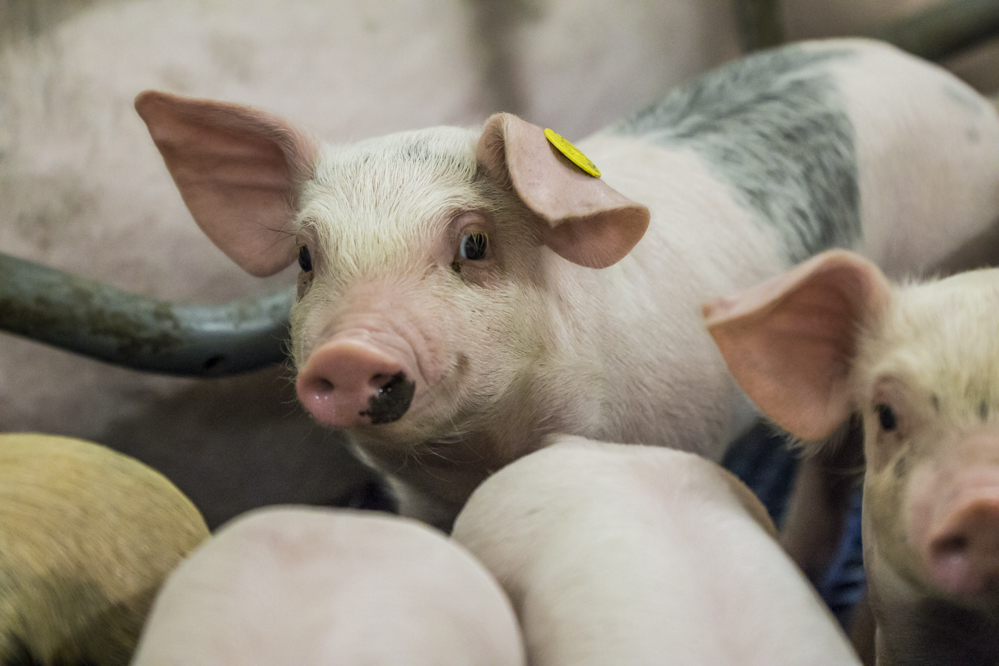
963,555
349,382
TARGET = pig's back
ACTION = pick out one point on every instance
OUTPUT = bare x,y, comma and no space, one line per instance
755,167
774,131
839,143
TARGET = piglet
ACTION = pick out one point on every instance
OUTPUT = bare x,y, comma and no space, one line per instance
87,536
326,587
920,363
643,555
466,292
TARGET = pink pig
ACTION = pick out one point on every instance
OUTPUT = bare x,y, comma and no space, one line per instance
920,363
287,585
465,292
643,555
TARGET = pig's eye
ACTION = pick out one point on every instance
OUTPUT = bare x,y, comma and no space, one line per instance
304,258
473,246
887,417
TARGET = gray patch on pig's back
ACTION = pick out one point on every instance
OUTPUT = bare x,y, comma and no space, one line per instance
773,126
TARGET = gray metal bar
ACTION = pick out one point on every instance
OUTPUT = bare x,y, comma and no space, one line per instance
111,325
761,23
934,34
944,30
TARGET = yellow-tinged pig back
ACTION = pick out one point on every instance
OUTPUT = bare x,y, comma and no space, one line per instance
87,536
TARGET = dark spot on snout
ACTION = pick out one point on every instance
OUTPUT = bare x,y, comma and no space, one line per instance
392,400
935,401
983,411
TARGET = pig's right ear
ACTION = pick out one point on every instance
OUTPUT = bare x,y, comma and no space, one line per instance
790,342
238,170
589,222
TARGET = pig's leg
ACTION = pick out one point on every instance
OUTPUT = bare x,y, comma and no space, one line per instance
862,631
820,499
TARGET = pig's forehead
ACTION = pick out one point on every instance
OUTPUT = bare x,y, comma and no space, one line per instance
942,335
406,177
419,158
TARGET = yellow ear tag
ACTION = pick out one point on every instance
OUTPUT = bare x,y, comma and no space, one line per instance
570,151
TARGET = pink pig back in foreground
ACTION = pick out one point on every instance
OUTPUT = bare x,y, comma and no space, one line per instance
304,585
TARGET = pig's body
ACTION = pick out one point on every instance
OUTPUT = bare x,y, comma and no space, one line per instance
87,537
744,172
640,555
919,363
312,586
82,190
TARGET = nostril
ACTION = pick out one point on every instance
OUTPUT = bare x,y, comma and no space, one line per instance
318,386
347,382
389,384
395,394
951,546
380,381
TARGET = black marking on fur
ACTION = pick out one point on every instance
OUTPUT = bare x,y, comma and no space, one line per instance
935,401
392,401
773,126
983,410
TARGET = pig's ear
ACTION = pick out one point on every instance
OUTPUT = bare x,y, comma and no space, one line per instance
790,342
589,222
239,171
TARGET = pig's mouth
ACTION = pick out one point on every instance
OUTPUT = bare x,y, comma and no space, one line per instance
391,401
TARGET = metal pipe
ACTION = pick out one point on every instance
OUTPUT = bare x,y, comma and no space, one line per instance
93,319
760,22
944,30
934,34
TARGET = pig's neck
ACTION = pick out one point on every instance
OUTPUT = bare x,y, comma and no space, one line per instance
629,360
915,629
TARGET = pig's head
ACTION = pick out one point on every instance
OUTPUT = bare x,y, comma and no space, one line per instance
424,296
921,364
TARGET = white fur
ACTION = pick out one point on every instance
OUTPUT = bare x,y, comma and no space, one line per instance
530,344
641,555
311,586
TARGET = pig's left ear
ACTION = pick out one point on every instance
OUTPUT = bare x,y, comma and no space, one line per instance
791,342
589,222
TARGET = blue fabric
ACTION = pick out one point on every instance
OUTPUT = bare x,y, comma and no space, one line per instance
765,464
